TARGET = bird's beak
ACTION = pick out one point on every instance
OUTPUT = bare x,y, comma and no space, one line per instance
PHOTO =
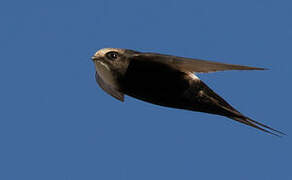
94,58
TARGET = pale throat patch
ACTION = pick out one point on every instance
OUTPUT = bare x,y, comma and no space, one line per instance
105,74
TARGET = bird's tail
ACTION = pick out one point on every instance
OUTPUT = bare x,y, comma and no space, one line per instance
258,125
210,102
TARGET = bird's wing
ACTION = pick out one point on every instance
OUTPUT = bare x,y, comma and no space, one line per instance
192,65
108,89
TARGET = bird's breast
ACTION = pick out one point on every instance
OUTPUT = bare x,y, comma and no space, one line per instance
106,74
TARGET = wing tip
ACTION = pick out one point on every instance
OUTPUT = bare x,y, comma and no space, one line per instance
253,68
262,69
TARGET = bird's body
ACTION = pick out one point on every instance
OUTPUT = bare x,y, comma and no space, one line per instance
163,86
171,88
165,80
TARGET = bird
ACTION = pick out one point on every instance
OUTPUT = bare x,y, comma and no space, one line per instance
167,80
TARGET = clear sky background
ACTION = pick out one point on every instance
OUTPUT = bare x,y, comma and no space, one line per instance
56,123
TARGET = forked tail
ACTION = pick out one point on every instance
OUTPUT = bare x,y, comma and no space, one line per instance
260,126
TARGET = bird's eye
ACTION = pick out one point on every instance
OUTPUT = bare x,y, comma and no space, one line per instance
112,55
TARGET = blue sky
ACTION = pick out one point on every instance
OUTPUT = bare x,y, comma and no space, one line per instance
56,123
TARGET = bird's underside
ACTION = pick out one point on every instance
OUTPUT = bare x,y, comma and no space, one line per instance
161,85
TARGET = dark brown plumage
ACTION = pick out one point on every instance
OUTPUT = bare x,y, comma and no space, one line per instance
167,81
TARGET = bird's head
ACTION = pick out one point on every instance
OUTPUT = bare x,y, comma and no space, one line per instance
112,59
111,64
